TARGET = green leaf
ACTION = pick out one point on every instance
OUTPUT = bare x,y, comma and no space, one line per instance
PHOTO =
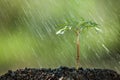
88,24
98,29
62,31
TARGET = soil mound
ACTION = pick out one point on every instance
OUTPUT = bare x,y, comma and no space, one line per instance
61,73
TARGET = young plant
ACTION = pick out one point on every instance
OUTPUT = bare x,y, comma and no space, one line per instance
78,26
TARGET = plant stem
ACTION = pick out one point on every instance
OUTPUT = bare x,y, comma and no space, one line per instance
78,49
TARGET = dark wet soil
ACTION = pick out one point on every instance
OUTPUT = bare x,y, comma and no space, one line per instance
61,73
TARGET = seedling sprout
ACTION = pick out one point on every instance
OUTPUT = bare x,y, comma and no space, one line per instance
78,26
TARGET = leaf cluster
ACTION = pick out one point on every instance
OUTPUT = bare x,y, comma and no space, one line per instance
80,25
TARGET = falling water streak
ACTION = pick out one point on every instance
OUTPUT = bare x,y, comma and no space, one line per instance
105,48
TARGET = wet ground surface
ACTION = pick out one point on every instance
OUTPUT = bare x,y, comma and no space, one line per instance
61,73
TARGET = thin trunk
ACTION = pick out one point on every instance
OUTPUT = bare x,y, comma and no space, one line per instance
78,49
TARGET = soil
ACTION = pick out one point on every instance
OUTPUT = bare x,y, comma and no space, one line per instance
61,73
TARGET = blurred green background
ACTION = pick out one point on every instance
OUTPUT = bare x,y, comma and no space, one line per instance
28,39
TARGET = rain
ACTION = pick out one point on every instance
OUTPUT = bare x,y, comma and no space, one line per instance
28,35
